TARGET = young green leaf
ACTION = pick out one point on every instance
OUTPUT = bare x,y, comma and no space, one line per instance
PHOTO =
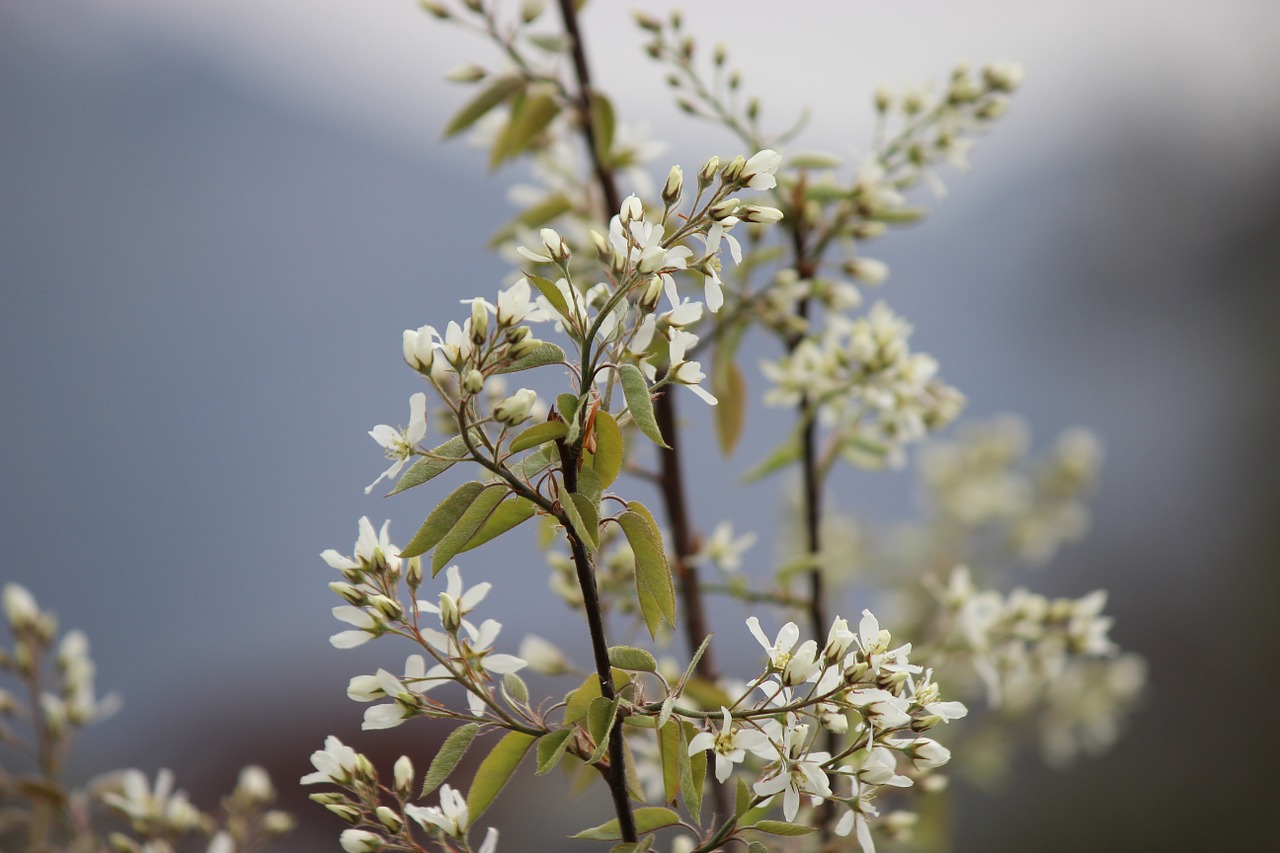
693,773
551,749
730,388
589,485
635,388
654,587
647,820
607,459
529,117
780,457
629,657
602,125
470,521
509,514
543,354
442,519
515,688
538,434
451,752
494,771
427,468
601,715
488,98
578,700
548,289
586,529
669,754
532,217
778,827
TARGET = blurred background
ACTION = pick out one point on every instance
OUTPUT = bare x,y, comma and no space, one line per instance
216,219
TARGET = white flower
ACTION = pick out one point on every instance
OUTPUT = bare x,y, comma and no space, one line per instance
359,841
856,818
159,804
799,773
20,606
779,650
399,445
879,767
334,764
464,599
372,550
687,373
758,173
723,550
363,620
221,843
731,745
543,657
450,816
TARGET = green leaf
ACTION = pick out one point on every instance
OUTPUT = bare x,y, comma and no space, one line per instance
494,771
693,773
471,520
578,700
509,514
730,388
538,434
635,388
548,289
693,662
601,715
813,160
654,587
779,827
529,117
589,486
647,820
757,847
706,693
542,355
901,215
780,457
442,519
538,461
451,453
743,798
582,517
607,459
451,752
551,749
669,755
488,98
515,687
629,657
602,125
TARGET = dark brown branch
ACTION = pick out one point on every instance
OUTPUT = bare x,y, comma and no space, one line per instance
616,773
604,174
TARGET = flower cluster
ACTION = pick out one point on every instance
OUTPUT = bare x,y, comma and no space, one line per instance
380,815
1049,655
857,686
463,652
862,377
159,816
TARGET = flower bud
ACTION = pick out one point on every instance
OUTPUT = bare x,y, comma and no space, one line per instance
450,617
516,408
651,295
604,249
632,209
413,572
556,247
418,351
868,270
436,10
883,98
388,818
20,607
835,722
724,209
350,814
468,73
277,824
473,382
1003,76
329,798
479,324
994,108
759,213
360,841
673,187
927,754
404,776
254,786
707,173
386,606
353,595
531,9
524,346
364,771
732,173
